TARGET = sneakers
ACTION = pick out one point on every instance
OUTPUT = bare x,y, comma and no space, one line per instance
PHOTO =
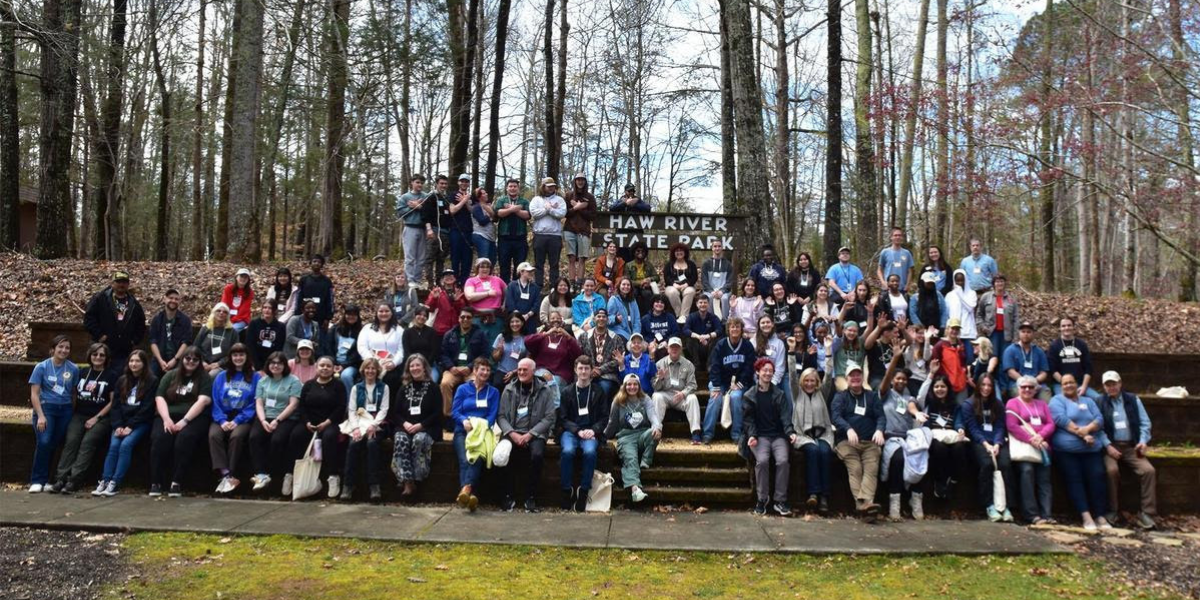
347,492
812,501
637,495
376,494
1007,516
894,507
782,509
1145,521
175,490
531,506
260,481
1090,526
36,488
696,441
155,490
56,488
99,491
1104,525
993,515
287,485
68,487
472,502
228,484
823,504
760,507
581,499
506,505
463,495
335,486
110,490
917,504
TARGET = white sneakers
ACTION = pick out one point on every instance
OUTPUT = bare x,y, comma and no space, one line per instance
335,486
894,507
287,485
260,481
917,505
105,488
227,484
637,494
37,488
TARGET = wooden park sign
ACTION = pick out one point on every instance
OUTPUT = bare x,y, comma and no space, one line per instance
660,231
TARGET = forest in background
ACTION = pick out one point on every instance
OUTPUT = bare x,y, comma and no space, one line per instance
252,130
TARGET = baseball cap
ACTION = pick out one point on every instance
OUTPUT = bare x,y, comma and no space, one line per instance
1110,376
928,277
675,342
524,267
852,367
306,344
464,176
580,176
120,276
245,271
637,335
629,187
953,324
843,249
446,272
1026,325
549,181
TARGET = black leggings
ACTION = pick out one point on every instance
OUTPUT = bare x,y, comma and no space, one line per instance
270,453
947,461
331,455
896,472
172,454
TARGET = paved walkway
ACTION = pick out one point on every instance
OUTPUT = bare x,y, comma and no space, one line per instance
712,531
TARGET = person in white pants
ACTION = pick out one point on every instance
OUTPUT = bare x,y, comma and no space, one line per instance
675,387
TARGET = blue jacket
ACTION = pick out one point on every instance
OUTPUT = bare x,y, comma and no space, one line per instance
703,326
663,325
915,318
466,404
233,400
514,302
976,430
630,317
477,346
619,206
727,361
1014,358
645,370
582,309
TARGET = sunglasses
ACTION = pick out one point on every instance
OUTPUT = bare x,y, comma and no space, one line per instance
191,359
1027,387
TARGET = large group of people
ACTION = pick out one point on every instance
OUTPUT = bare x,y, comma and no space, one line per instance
933,376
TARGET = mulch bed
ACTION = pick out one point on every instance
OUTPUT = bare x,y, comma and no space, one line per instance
39,564
1154,566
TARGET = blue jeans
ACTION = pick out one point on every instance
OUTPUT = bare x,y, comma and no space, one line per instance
816,467
460,254
1087,482
556,384
608,386
348,374
239,326
120,453
712,414
998,343
468,473
1087,391
572,446
58,417
512,252
484,248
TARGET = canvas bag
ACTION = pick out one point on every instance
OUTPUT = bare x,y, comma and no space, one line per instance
726,411
306,476
1023,451
999,494
600,496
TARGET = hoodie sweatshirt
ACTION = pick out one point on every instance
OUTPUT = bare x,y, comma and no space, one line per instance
580,221
960,304
547,213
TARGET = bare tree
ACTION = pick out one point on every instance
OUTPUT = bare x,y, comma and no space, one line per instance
243,245
59,43
833,135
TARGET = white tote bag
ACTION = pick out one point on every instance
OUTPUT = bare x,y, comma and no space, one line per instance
306,476
726,411
1020,451
600,496
999,494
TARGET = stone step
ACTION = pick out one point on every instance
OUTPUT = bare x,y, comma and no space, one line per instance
680,454
692,496
700,476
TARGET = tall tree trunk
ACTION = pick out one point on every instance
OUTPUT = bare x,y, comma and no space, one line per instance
552,149
561,97
1046,192
1181,66
198,229
164,151
1091,199
754,192
972,225
10,133
728,160
331,239
477,118
243,243
107,146
864,145
943,126
405,94
280,111
910,118
460,96
221,233
61,20
1129,176
489,177
782,128
833,134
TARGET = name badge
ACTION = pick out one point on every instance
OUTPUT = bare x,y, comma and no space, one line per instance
920,363
131,400
1029,364
414,410
481,402
316,300
676,382
941,421
462,356
270,403
1036,420
372,408
522,411
524,295
896,264
218,351
120,315
234,393
1120,424
900,407
977,270
583,411
770,352
658,336
681,277
514,355
633,364
552,345
485,286
266,343
987,427
860,410
52,378
1082,406
999,310
347,343
58,388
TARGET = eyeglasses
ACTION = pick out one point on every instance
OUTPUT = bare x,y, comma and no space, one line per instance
1027,387
191,359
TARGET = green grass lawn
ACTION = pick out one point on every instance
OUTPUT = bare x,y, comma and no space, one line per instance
280,567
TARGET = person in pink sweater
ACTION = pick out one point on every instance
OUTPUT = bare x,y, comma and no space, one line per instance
1028,420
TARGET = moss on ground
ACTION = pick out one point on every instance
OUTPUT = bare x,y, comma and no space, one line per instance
280,567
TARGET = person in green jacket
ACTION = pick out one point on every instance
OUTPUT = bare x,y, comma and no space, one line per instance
633,423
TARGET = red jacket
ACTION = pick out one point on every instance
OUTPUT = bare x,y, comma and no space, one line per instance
241,306
447,309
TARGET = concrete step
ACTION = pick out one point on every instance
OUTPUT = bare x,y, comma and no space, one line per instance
700,476
692,496
680,454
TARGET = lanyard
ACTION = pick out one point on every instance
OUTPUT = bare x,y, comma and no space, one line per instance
1027,355
579,394
220,341
415,396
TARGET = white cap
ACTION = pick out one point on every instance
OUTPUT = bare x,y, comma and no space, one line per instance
306,344
675,342
928,277
464,176
245,271
524,267
1110,376
852,367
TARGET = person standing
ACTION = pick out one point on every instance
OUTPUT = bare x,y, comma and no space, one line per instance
716,279
483,225
1069,354
413,240
526,418
512,210
461,229
896,260
50,394
170,334
630,203
115,318
769,433
1127,427
997,316
239,297
981,269
843,277
961,303
577,230
547,209
857,413
582,413
317,288
436,218
265,335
